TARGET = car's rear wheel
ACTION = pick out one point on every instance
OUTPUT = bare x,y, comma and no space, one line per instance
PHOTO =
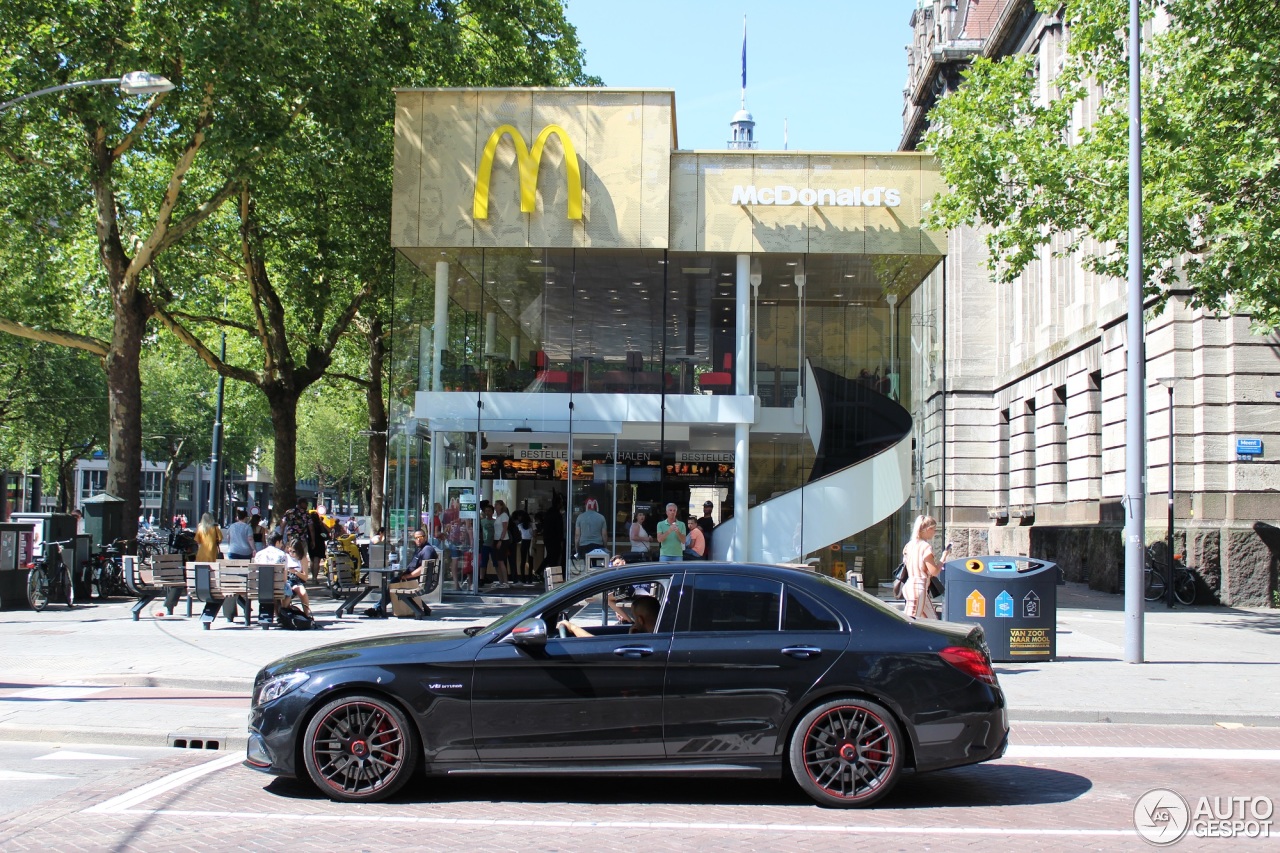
847,753
360,749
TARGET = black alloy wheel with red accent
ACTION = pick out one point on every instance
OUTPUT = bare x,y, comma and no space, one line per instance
846,753
359,749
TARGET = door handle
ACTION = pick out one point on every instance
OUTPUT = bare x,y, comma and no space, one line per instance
633,651
802,652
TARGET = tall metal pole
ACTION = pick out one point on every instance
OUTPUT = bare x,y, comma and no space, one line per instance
215,460
1168,589
1135,385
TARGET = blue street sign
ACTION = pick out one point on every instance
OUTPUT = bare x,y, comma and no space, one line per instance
1004,605
1248,447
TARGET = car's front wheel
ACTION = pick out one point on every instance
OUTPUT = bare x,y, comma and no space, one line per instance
847,753
360,749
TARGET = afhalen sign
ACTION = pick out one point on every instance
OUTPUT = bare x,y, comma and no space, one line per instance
847,197
529,161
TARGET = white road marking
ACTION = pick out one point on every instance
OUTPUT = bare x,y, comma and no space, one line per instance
1140,752
836,829
55,693
119,804
68,755
19,776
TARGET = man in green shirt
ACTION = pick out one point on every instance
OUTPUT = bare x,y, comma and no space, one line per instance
671,535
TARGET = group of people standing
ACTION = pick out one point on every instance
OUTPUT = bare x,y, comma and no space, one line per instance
675,539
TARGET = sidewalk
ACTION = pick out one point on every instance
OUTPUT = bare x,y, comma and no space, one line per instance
94,675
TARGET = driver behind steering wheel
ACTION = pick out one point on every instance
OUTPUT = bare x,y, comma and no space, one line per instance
644,618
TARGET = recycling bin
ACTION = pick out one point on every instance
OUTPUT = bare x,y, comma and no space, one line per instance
1014,599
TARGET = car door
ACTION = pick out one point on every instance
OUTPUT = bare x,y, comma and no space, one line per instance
585,699
745,651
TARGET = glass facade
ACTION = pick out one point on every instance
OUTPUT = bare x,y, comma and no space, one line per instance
828,335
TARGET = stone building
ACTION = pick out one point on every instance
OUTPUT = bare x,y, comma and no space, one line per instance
1023,413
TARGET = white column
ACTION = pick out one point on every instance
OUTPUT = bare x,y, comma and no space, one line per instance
742,358
741,549
440,327
490,332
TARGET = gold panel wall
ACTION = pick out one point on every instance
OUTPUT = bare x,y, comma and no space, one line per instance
777,201
623,141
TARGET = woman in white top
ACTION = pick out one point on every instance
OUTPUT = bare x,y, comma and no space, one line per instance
921,566
640,540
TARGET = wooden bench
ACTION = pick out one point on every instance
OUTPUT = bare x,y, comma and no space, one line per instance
148,580
215,582
266,581
344,585
404,596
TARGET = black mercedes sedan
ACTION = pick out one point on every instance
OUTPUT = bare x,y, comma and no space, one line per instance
713,669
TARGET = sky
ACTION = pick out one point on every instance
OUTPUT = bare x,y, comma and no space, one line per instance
831,72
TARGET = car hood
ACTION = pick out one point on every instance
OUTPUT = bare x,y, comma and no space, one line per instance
418,645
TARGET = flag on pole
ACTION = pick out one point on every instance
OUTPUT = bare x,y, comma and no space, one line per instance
744,52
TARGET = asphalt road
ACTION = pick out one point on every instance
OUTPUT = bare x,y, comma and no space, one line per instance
1062,785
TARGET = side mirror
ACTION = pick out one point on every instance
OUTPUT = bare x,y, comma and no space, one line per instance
530,632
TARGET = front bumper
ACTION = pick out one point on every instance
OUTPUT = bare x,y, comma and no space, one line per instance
275,730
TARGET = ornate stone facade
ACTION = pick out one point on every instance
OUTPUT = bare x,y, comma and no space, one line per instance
1024,435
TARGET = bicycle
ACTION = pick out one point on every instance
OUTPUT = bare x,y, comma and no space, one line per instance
1155,581
107,571
49,578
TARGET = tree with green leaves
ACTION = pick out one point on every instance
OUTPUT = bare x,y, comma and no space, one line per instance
283,108
1028,171
178,405
54,412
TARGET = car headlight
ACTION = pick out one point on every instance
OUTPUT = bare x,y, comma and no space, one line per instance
279,686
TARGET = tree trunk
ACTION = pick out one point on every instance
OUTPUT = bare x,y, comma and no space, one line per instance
169,498
66,483
284,472
377,425
124,408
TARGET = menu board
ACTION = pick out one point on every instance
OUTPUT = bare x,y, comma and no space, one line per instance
529,469
706,471
581,470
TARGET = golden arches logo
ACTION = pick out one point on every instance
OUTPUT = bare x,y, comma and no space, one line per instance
529,161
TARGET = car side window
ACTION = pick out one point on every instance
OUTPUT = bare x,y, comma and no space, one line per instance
805,613
608,610
734,603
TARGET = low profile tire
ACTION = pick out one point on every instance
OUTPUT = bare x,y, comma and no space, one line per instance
360,749
846,753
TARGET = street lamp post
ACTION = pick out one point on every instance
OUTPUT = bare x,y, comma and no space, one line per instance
1168,382
133,83
1135,504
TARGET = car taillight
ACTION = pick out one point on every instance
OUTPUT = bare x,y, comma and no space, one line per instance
969,661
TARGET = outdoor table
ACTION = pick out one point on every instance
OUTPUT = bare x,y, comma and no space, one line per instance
385,575
349,604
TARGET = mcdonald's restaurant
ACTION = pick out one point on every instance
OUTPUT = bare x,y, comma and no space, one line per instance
587,315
